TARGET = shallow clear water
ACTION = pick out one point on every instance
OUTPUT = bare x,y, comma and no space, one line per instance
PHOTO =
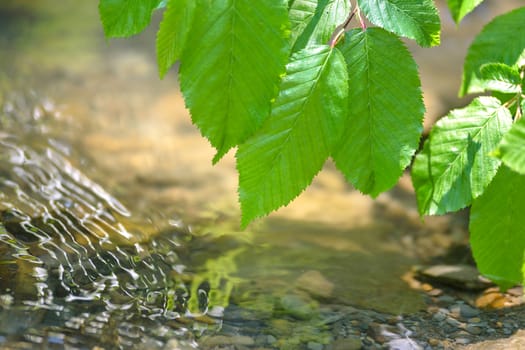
117,231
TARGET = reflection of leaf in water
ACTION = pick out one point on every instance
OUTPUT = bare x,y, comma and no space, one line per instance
219,274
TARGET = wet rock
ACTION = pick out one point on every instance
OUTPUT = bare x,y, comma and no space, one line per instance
490,331
440,316
433,342
459,276
297,307
332,318
315,284
350,343
474,330
453,322
464,311
446,300
463,341
517,341
491,299
220,340
516,291
363,326
382,333
6,300
404,344
314,346
173,344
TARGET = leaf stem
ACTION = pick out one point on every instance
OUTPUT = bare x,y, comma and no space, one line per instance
361,20
340,30
520,96
515,100
519,111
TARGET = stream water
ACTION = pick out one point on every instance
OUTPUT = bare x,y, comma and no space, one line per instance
116,231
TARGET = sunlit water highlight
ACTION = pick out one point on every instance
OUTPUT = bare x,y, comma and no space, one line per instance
68,258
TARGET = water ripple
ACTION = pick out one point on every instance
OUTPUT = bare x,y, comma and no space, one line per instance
65,249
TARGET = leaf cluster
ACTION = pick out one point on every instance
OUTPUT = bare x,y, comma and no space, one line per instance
292,83
475,156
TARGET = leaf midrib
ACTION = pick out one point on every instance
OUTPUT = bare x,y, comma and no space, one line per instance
460,154
226,118
279,154
371,129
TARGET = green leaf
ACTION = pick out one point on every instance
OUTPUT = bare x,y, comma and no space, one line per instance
497,229
511,149
461,8
173,31
458,162
385,110
123,18
500,77
301,13
418,20
328,15
500,41
421,179
521,60
231,71
282,158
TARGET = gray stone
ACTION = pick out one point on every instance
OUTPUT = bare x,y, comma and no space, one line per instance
465,311
271,339
439,316
475,330
297,307
363,326
453,322
331,319
314,346
459,276
260,339
463,341
446,300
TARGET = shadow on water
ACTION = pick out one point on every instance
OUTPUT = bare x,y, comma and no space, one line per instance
363,264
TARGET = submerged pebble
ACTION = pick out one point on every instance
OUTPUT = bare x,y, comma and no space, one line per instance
350,343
